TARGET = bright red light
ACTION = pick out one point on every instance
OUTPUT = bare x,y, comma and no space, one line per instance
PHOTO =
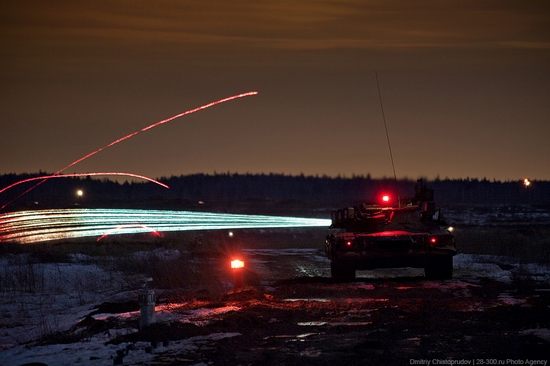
237,263
433,240
386,198
348,243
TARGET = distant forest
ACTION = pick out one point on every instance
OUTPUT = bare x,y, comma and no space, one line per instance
229,191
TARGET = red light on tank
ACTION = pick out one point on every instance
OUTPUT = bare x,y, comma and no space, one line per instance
385,200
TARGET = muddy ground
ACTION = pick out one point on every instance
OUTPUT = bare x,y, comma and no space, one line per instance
291,313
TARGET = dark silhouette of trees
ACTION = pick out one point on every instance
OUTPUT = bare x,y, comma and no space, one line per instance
198,189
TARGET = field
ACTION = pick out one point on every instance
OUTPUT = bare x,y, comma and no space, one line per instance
76,303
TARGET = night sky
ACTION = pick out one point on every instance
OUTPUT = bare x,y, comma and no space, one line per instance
465,87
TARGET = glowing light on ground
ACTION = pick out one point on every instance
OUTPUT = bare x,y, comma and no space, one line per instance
242,95
237,263
76,175
60,224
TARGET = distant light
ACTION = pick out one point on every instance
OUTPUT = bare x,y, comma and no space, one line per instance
349,243
526,182
433,240
230,234
79,193
237,263
450,229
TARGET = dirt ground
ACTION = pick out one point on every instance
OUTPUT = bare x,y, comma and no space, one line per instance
291,313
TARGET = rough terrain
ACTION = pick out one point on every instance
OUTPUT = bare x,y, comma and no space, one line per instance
289,312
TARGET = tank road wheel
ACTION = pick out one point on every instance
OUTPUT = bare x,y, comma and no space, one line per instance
439,268
342,272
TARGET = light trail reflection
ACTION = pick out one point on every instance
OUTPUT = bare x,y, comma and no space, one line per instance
119,229
35,226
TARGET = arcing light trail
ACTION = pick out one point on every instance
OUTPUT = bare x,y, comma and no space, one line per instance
117,229
211,104
36,226
158,124
76,175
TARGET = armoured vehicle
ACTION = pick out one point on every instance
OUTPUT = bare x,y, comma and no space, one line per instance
408,232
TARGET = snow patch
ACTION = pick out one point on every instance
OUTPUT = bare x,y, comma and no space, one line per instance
475,267
543,333
94,352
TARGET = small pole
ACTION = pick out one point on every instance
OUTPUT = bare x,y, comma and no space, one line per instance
388,138
147,299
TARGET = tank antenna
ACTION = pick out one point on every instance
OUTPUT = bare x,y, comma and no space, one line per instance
387,134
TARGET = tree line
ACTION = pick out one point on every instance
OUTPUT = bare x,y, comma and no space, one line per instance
198,189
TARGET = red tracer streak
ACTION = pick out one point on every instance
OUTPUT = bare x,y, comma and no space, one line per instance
45,177
131,135
115,230
158,124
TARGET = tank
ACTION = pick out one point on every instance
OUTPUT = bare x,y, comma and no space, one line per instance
394,233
